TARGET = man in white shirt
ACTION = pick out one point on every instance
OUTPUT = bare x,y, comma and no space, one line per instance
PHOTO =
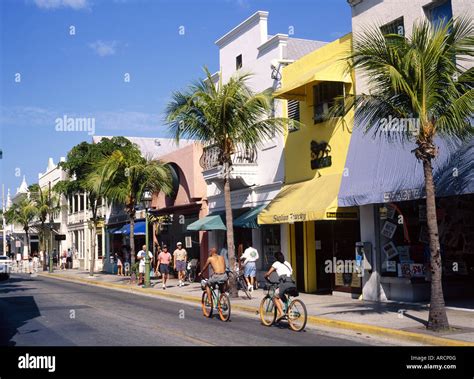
249,258
142,259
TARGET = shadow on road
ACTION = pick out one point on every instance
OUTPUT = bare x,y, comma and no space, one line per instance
15,311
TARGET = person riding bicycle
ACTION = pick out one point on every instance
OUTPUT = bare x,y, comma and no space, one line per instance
284,272
218,267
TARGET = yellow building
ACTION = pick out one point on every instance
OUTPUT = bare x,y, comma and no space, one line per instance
315,156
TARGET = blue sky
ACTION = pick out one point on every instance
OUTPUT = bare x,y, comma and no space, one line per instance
82,74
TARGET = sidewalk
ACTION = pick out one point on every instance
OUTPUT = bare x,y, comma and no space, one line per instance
403,321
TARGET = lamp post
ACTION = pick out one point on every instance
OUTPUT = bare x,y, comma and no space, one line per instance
146,200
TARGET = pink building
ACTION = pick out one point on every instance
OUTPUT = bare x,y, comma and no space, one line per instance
187,204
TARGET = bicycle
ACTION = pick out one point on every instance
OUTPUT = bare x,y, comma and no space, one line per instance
293,310
219,300
241,282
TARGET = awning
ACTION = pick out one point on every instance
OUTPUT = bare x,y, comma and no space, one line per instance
249,219
314,199
210,222
139,229
384,171
296,90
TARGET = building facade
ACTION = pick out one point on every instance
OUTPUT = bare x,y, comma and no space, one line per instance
257,176
319,232
389,189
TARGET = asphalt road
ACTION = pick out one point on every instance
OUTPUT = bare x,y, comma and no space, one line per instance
48,312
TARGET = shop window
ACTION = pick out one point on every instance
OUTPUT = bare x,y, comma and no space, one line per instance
293,113
325,95
76,203
395,27
439,13
270,243
238,62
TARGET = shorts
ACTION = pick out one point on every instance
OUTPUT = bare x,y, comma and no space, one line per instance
250,269
164,269
216,278
141,269
180,266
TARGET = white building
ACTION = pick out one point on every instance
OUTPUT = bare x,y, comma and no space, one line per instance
386,281
256,178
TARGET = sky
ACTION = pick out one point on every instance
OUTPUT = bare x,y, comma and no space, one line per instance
117,62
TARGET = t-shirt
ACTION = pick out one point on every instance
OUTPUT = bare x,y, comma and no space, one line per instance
283,268
18,257
141,254
250,255
164,258
180,254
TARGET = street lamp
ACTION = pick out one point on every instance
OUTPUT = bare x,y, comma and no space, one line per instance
146,201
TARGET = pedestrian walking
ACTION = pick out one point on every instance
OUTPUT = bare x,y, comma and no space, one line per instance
164,261
119,259
69,259
180,257
64,260
126,260
141,256
35,262
18,262
225,254
249,258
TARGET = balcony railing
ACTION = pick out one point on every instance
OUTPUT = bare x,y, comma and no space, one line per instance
210,157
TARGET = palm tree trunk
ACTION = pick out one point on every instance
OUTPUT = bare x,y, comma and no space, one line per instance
93,237
230,231
437,319
132,239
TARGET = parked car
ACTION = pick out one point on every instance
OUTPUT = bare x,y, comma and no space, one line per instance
5,267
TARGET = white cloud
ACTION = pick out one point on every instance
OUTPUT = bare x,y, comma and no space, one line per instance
103,48
54,4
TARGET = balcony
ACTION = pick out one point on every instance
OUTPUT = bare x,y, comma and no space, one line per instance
243,171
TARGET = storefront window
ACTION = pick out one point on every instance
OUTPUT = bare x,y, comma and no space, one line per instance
271,244
404,240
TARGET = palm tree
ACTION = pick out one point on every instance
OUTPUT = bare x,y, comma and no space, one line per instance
46,205
22,213
224,116
419,77
125,176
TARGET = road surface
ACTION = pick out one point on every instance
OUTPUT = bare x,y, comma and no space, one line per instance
42,311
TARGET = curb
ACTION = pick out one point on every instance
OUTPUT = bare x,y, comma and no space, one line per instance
315,320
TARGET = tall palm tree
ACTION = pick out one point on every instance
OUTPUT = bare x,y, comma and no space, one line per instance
422,76
125,176
46,205
22,213
224,116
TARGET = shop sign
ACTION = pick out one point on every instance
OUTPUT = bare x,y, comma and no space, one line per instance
404,195
320,157
291,218
342,215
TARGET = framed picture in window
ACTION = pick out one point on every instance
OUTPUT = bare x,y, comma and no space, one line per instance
389,229
390,250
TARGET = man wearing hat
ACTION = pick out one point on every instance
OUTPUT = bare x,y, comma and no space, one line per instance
180,257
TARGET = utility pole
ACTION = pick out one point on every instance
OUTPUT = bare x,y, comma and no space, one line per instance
50,231
4,225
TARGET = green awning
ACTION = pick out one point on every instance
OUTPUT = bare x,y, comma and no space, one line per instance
249,218
210,222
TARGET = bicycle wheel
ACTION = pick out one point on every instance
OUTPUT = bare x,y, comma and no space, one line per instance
268,311
206,304
243,286
297,315
224,307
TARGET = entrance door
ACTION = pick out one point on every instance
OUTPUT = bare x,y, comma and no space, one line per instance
299,246
336,240
324,252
